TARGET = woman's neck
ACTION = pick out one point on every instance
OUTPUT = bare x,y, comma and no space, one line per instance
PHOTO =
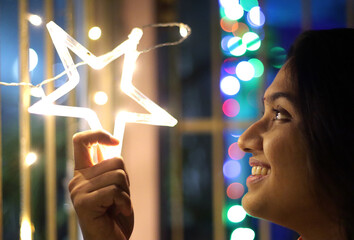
321,230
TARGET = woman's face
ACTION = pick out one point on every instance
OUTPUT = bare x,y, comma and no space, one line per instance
278,189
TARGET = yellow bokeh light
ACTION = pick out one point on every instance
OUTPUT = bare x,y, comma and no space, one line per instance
95,33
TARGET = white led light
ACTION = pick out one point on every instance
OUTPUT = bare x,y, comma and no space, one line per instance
31,158
26,230
245,71
251,41
33,59
242,234
256,17
228,3
236,46
234,12
183,31
230,85
100,98
236,214
94,33
35,19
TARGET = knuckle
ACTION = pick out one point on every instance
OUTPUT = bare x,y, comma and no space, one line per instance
120,175
71,185
77,137
78,203
117,163
113,190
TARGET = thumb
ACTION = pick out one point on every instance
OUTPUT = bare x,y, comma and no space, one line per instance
83,143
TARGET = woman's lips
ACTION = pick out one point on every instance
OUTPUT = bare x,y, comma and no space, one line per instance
252,179
260,171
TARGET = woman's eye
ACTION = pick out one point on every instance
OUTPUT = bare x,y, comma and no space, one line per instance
280,115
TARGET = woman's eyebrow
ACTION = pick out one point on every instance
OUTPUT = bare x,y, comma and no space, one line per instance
274,96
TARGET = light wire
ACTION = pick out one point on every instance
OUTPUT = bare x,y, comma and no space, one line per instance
155,25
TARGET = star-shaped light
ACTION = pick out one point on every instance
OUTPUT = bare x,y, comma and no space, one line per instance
63,42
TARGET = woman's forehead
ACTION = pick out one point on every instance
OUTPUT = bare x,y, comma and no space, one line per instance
281,83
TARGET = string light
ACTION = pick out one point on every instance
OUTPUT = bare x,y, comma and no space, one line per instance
247,34
63,42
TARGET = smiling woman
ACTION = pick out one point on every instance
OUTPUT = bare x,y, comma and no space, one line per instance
304,139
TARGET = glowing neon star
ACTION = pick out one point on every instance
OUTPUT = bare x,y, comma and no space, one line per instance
62,42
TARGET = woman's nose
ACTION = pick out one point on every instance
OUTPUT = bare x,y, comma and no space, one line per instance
251,140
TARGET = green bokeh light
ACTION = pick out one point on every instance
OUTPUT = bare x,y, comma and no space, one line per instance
252,41
277,56
248,4
258,67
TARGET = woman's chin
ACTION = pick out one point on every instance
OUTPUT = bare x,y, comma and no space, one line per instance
252,205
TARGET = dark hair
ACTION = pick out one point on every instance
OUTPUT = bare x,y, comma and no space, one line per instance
321,63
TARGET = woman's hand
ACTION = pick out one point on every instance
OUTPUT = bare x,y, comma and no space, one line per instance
100,193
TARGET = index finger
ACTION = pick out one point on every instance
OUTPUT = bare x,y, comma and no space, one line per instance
83,143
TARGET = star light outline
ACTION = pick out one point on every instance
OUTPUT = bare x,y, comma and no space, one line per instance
63,42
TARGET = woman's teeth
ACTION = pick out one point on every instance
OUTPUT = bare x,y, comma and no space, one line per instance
258,170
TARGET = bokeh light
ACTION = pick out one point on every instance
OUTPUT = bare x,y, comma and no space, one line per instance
94,33
236,214
234,11
258,67
229,65
35,20
31,158
235,190
248,4
251,40
231,107
224,43
236,46
277,57
228,25
245,71
240,30
231,169
33,59
235,152
242,234
256,17
227,3
229,85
